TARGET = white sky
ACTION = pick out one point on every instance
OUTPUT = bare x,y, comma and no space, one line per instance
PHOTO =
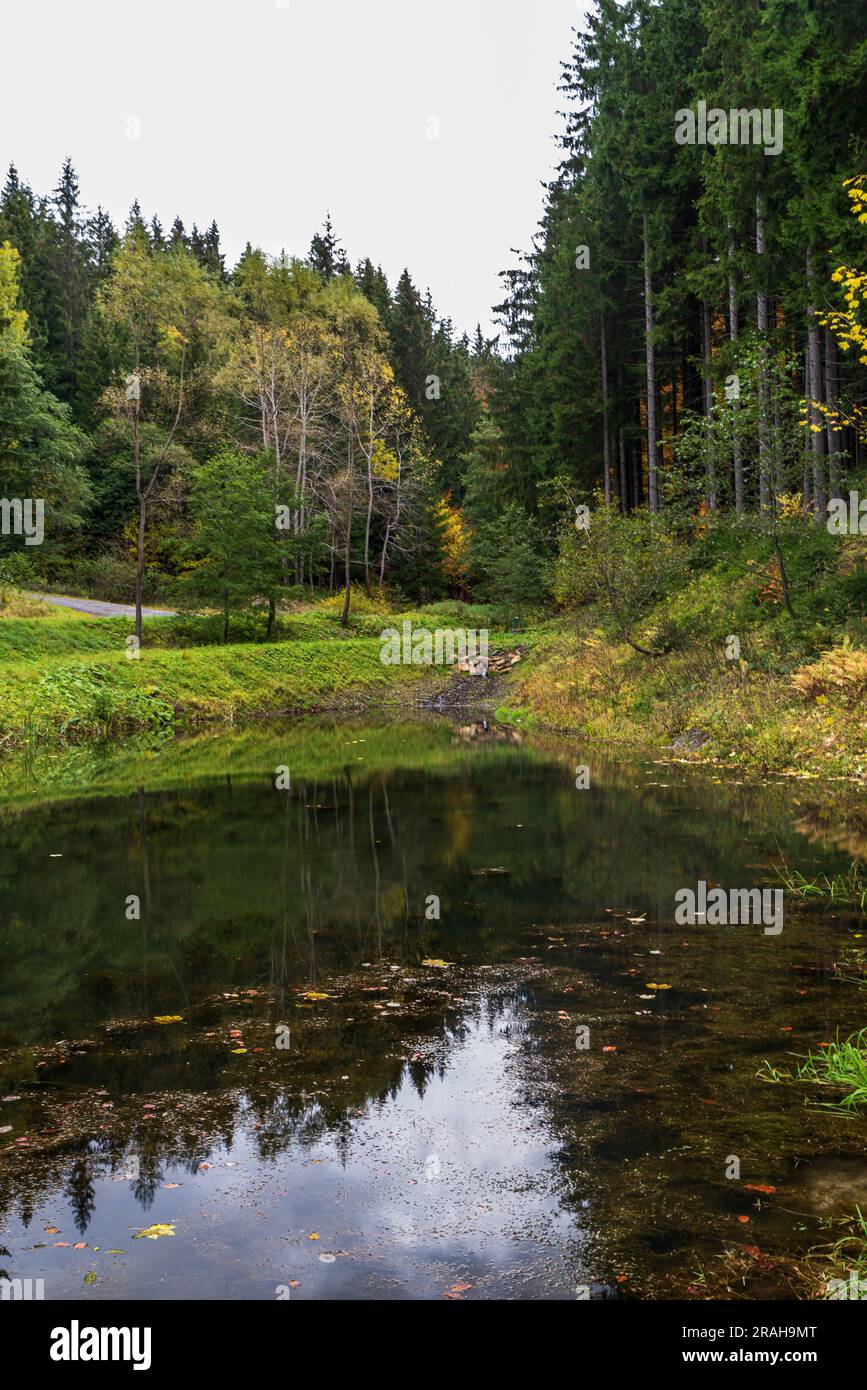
265,113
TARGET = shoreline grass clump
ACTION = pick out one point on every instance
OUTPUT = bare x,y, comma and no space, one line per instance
849,889
839,1064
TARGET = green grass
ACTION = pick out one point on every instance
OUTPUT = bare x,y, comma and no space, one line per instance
66,679
55,633
584,679
849,889
841,1065
848,1255
106,694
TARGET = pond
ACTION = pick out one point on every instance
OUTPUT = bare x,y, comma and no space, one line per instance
402,1011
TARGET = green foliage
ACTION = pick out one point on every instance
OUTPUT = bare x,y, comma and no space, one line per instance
239,551
841,1065
624,563
76,697
505,555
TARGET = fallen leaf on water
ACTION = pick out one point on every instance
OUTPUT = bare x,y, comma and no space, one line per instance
51,1230
758,1187
659,986
171,1184
609,1049
90,1277
460,1288
154,1232
314,1235
61,1245
238,1051
168,1018
744,1220
439,964
80,1245
314,994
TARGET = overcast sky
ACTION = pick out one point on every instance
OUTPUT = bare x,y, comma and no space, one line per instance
265,113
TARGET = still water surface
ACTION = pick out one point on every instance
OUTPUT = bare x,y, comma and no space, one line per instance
357,1099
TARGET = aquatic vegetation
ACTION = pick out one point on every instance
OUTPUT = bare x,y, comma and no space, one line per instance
841,1267
849,888
838,1064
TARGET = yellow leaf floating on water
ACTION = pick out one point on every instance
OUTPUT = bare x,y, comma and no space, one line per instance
314,994
440,964
154,1232
659,986
238,1051
168,1018
314,1235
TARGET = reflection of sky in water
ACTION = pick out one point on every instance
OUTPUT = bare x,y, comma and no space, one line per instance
520,1170
456,1186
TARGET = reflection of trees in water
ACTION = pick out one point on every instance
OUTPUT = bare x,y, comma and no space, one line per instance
241,881
79,1192
274,1119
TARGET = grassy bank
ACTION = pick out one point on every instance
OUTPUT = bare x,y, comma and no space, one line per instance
107,694
728,675
580,683
66,679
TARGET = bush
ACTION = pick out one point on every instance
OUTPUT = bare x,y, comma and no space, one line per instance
626,563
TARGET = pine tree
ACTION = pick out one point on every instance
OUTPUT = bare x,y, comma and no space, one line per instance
326,255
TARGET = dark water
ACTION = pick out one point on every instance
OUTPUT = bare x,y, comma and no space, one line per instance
431,1125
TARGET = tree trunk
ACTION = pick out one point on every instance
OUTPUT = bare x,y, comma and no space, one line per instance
652,478
140,559
734,329
606,437
765,479
344,617
835,442
814,396
383,555
707,391
624,480
369,500
142,515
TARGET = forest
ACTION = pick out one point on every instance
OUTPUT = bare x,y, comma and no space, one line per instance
682,355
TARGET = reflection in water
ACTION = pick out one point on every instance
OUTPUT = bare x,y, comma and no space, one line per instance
430,1124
